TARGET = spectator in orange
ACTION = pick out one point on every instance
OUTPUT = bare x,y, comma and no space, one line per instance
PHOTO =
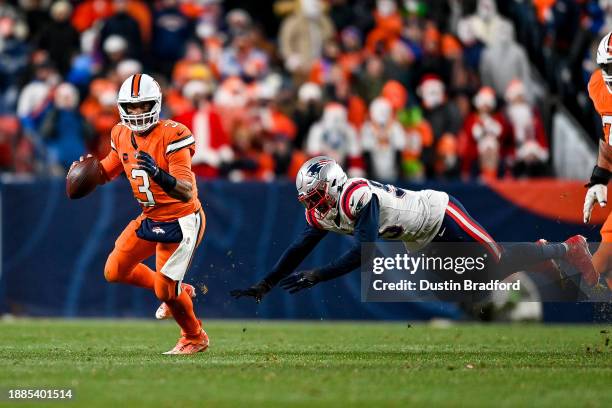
446,160
142,14
89,12
100,110
388,26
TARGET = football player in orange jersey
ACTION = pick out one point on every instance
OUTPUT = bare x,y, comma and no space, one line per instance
600,91
155,155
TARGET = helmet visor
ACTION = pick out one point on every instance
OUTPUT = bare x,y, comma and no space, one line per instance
606,70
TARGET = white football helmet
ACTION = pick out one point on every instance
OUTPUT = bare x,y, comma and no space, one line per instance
604,60
136,89
319,184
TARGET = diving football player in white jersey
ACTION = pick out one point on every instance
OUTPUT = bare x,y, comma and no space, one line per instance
369,210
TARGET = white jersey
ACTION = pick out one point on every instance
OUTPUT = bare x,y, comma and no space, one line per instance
413,217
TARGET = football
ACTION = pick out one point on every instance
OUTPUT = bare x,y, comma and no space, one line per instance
83,177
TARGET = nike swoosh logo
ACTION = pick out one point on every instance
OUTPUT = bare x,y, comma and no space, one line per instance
442,232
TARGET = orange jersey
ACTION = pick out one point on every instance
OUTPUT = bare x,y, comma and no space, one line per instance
171,145
602,99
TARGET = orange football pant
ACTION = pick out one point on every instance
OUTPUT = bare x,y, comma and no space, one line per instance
124,265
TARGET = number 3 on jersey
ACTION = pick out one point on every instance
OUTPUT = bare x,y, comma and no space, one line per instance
144,188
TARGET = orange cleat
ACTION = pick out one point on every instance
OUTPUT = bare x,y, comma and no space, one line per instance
188,345
164,312
579,256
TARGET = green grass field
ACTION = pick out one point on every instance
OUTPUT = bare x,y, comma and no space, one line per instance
118,364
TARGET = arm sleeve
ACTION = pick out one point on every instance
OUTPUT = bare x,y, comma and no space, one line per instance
179,165
295,254
366,230
111,164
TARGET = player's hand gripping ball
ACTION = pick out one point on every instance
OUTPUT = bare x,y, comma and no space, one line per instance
83,177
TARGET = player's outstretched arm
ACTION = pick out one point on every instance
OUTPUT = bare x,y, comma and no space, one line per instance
289,260
366,230
598,185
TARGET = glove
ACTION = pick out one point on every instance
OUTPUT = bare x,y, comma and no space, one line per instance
300,280
256,291
597,192
147,163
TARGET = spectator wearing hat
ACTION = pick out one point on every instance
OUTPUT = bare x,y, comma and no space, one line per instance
308,110
115,50
515,62
531,150
383,142
213,151
417,130
485,137
59,38
444,119
63,129
122,24
243,59
302,35
334,136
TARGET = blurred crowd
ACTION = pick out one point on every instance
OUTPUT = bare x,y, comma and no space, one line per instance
393,90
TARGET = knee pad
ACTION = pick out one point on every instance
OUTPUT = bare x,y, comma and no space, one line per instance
166,289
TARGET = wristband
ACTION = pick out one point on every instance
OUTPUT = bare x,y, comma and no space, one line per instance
599,176
164,180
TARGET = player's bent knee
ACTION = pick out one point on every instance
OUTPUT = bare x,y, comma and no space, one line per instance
115,270
165,288
111,270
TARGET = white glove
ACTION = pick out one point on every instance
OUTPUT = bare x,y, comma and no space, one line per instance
597,192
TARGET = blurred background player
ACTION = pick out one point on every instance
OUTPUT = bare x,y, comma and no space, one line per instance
155,156
368,210
600,91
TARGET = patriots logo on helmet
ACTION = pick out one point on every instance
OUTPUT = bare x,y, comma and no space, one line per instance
315,168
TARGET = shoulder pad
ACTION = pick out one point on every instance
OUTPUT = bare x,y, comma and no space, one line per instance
356,195
178,136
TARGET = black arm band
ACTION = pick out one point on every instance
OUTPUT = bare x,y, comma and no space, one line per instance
165,180
599,176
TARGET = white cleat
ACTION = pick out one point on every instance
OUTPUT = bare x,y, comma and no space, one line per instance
163,311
